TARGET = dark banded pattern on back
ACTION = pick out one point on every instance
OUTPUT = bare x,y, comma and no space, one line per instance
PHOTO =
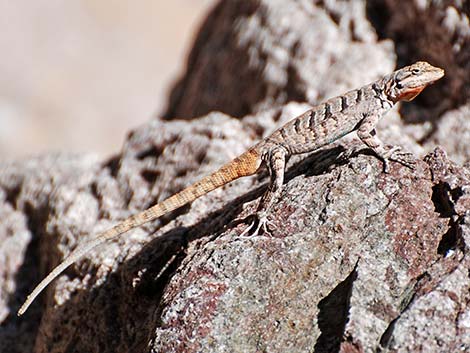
344,103
358,95
327,111
312,119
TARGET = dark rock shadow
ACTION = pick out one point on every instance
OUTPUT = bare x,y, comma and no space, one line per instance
17,334
186,100
334,315
444,199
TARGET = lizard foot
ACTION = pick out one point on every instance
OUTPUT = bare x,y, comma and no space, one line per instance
397,155
345,155
261,222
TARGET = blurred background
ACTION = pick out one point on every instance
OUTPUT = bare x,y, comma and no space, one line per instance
77,75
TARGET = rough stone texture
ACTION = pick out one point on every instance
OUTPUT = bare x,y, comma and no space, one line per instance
354,258
453,132
272,51
359,261
26,188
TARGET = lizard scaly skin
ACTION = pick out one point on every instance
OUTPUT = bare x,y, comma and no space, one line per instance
358,110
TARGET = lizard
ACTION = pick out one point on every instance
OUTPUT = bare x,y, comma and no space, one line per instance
357,110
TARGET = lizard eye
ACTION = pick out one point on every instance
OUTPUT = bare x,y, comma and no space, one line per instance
399,85
416,71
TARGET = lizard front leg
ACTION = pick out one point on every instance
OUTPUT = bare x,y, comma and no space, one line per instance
366,132
276,163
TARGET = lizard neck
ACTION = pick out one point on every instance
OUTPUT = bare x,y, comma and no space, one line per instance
382,90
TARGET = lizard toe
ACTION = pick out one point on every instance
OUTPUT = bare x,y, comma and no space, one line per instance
405,158
260,223
396,154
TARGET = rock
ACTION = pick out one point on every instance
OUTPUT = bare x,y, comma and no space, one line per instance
453,132
269,52
356,256
353,254
26,188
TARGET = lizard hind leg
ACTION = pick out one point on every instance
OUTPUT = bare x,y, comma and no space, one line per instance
276,162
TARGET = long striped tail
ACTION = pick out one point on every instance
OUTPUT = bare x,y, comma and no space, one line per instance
246,164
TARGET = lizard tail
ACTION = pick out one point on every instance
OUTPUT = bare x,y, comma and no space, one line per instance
246,164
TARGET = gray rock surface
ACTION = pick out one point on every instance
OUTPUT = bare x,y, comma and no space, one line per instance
359,261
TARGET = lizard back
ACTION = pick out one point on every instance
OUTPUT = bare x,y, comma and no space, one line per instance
330,120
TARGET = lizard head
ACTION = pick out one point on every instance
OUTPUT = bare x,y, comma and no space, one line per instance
408,82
